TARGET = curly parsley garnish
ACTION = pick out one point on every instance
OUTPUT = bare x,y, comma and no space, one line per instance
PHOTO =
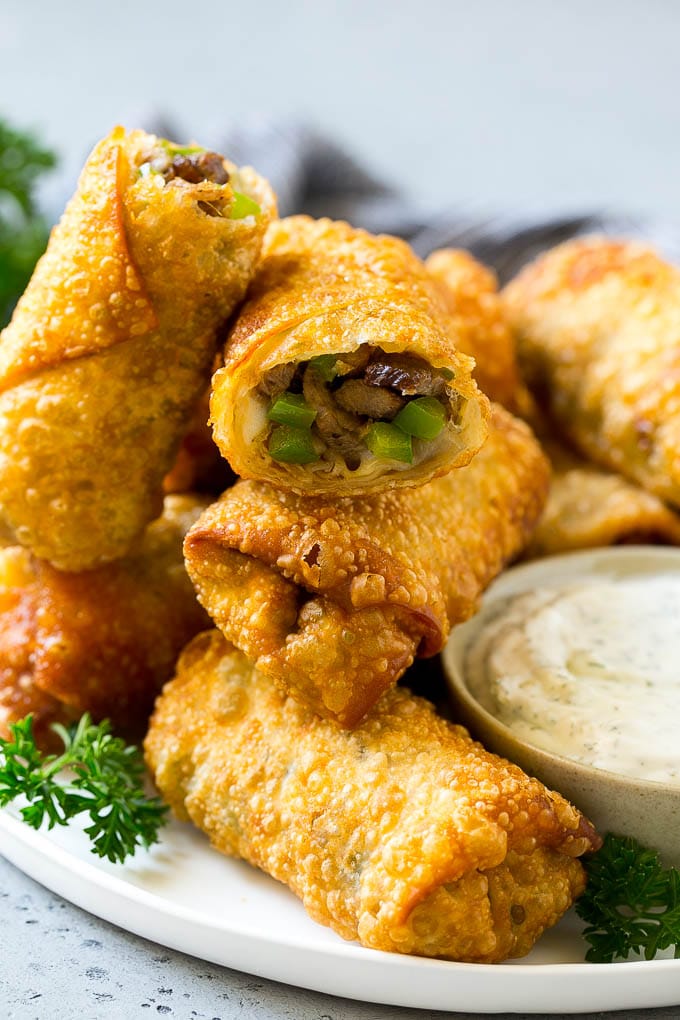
105,781
631,903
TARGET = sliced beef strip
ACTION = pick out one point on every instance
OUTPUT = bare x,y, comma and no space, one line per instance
197,167
277,379
404,372
193,167
372,401
339,429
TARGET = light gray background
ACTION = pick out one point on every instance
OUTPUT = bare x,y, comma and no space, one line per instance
570,103
485,105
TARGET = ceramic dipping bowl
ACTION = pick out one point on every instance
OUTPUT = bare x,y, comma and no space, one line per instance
646,809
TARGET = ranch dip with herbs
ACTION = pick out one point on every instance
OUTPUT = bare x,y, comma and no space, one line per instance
590,671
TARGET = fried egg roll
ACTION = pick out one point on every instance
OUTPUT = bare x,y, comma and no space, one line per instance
403,833
598,326
589,506
19,696
334,598
113,342
342,373
199,465
102,641
470,291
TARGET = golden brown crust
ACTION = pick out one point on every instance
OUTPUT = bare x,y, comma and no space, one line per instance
102,641
109,349
109,302
589,506
199,466
598,326
18,694
334,598
470,291
403,833
326,288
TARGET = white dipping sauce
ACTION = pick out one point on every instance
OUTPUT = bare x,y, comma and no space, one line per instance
590,671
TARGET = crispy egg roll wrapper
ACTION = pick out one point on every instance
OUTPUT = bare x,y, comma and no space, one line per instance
324,288
470,291
199,465
111,345
334,598
598,326
19,696
402,833
102,641
589,506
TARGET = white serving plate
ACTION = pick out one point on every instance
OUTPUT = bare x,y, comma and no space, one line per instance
184,895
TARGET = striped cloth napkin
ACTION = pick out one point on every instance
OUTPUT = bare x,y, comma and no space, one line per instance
313,174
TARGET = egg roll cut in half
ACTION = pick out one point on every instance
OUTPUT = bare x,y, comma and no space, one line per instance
470,291
342,373
403,833
102,641
598,325
589,506
334,598
113,342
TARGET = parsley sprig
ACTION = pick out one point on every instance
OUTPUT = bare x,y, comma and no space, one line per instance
105,781
23,230
631,903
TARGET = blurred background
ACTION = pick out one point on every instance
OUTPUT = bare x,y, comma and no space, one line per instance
483,105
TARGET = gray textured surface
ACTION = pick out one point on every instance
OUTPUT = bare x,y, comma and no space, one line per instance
56,961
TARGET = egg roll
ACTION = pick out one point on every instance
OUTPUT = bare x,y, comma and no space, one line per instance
113,342
19,696
103,640
470,291
341,373
598,327
589,506
199,465
403,833
334,598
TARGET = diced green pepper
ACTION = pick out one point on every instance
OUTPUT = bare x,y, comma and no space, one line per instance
180,150
325,366
387,442
291,445
446,372
243,206
291,409
423,418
